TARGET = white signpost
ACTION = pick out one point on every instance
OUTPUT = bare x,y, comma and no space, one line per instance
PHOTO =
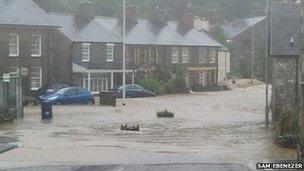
6,78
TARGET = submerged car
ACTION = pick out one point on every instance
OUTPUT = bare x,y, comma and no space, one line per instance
134,91
71,95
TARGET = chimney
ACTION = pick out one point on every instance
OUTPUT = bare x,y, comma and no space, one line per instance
131,15
187,21
159,17
187,18
84,14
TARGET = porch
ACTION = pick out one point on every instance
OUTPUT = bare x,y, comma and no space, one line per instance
100,80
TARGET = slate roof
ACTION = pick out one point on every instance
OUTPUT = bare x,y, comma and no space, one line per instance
238,26
108,29
285,28
145,33
24,13
93,32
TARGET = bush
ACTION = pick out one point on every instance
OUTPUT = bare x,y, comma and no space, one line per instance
165,114
289,122
153,85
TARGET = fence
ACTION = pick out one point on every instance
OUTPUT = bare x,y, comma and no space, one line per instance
11,99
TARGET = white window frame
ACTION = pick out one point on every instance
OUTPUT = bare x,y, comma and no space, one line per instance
16,44
32,78
110,52
202,78
202,55
86,56
174,55
39,48
212,56
95,82
14,73
185,55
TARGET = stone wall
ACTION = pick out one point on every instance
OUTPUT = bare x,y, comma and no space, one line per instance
284,84
54,60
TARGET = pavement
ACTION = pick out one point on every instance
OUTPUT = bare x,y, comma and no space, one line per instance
7,143
159,167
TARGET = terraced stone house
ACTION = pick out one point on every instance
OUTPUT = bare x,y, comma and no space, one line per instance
97,48
285,45
85,50
31,45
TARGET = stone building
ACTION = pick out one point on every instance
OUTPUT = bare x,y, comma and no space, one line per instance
239,34
30,45
97,48
284,51
84,50
301,93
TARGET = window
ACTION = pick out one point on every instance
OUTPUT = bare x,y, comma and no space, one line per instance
36,45
185,55
154,53
212,56
202,56
86,52
14,71
202,78
13,45
36,78
175,54
110,52
142,55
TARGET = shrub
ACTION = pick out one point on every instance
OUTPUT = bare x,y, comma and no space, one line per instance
289,122
165,114
153,85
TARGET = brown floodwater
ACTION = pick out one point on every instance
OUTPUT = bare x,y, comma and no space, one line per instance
216,127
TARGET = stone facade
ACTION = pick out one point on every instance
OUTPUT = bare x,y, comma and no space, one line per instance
284,84
141,61
53,60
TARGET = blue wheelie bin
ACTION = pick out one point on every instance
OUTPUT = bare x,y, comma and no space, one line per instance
46,110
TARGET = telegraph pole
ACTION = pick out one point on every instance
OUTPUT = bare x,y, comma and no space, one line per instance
124,50
267,63
253,49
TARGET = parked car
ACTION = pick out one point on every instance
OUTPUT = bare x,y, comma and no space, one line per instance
56,87
134,91
71,95
30,101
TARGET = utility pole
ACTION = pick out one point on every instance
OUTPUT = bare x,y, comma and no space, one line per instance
267,63
124,50
253,48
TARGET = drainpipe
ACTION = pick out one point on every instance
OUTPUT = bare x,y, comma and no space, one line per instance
89,81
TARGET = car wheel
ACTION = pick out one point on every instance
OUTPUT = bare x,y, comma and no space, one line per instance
91,102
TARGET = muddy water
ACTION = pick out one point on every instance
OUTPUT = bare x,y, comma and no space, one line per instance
221,127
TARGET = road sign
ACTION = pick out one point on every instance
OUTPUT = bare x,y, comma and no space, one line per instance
6,78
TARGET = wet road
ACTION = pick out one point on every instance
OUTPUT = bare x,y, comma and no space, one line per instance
213,127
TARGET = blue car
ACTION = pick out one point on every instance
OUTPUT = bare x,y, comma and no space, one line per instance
71,95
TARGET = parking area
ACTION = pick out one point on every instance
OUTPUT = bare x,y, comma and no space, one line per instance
213,127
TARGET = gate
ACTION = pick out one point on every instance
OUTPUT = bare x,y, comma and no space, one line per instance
11,99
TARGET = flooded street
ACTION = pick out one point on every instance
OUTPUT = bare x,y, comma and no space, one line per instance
210,127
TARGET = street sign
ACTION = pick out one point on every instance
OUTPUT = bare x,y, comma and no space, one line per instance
6,78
